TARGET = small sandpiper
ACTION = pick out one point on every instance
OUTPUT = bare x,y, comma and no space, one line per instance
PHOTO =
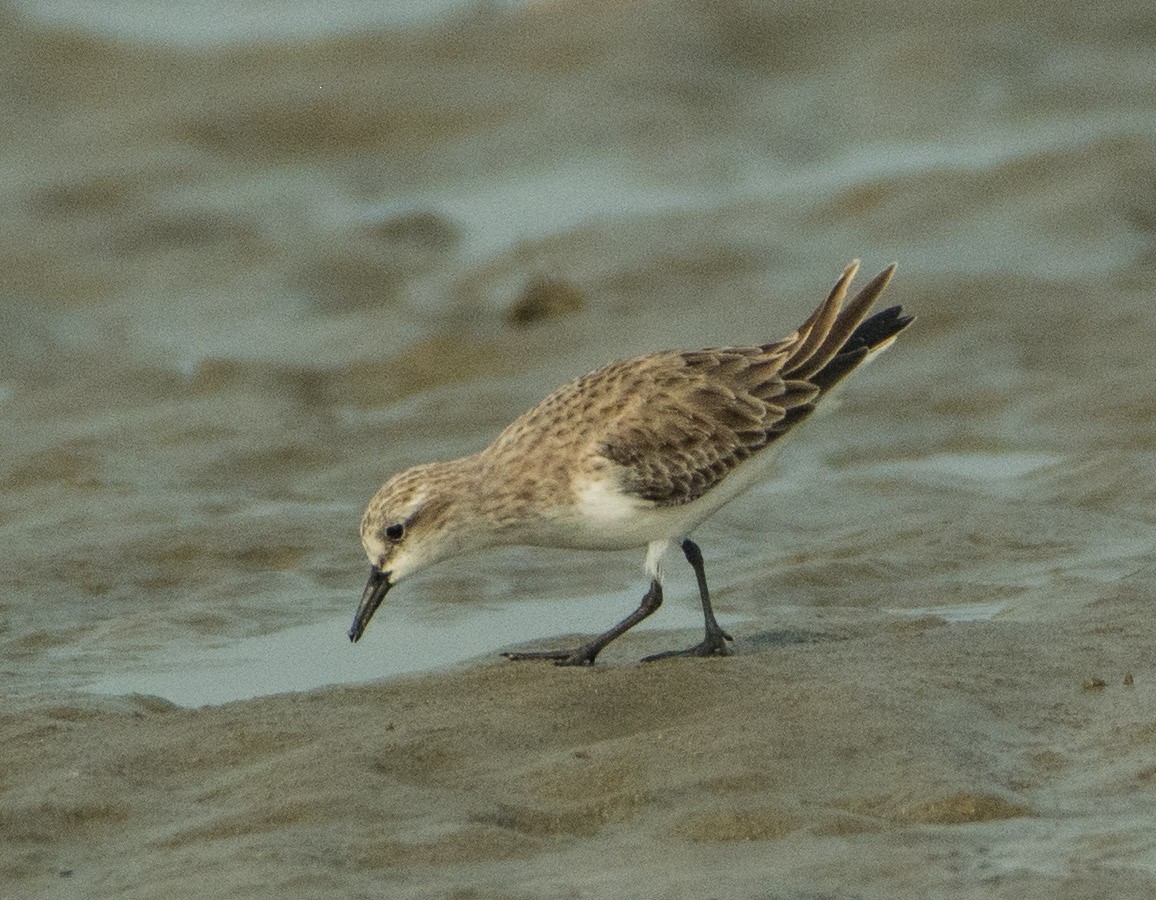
635,454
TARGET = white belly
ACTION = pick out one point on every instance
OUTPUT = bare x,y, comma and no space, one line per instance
605,518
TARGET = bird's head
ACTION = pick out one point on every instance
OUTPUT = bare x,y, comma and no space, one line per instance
405,528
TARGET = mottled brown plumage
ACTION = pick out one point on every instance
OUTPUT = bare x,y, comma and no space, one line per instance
679,422
635,453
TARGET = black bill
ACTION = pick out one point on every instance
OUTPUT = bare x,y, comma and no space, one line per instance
375,592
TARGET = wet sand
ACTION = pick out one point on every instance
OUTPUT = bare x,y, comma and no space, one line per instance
241,284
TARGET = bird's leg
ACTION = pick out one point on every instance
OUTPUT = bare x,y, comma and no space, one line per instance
714,643
584,655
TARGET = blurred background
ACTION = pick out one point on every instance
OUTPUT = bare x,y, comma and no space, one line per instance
256,257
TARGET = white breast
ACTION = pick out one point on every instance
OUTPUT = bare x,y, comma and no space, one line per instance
604,517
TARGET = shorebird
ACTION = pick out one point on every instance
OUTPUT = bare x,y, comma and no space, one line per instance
635,454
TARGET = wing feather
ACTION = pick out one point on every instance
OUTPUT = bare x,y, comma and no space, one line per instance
696,416
716,409
670,426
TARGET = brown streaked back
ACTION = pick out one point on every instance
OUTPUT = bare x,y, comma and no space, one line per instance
692,418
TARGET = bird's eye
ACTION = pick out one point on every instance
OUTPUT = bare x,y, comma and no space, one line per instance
394,532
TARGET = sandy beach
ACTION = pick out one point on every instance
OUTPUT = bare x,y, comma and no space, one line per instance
246,275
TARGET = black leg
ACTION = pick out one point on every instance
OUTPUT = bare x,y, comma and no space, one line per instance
714,643
584,655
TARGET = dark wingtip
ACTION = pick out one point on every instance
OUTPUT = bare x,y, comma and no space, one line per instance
880,327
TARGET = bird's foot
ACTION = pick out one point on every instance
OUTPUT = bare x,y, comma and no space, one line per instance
714,644
579,656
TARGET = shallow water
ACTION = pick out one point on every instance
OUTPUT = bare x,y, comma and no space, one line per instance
315,655
220,339
213,24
